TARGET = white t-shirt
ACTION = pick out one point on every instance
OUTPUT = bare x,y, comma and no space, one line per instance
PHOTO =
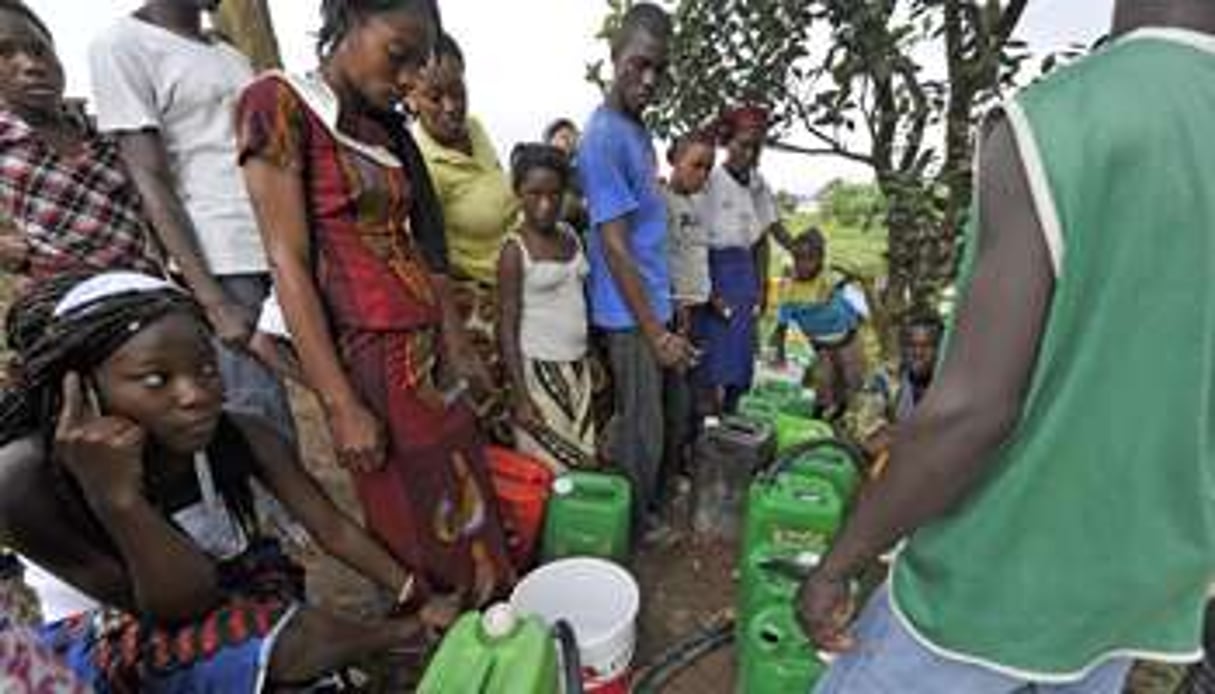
688,249
735,215
147,77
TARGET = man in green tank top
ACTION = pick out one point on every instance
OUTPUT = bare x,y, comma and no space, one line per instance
1056,485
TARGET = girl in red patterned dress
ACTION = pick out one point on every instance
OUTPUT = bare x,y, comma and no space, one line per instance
356,240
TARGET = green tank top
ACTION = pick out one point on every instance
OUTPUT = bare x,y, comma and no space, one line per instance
1093,534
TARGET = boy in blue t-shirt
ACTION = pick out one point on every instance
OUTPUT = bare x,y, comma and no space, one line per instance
629,285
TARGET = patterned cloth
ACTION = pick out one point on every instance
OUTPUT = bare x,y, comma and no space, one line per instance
373,253
563,392
79,210
225,650
431,503
477,304
28,667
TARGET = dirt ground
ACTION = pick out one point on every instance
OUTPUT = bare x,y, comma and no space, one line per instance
686,587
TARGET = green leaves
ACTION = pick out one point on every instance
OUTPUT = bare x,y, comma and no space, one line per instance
850,78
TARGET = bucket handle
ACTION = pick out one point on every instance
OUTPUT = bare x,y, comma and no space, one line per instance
786,459
571,662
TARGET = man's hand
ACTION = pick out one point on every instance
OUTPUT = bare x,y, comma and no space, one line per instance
526,414
233,324
825,608
673,351
439,612
14,248
104,454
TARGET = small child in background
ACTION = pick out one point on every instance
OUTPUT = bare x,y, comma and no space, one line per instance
542,319
829,310
691,158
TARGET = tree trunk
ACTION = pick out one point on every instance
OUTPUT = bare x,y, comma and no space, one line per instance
247,24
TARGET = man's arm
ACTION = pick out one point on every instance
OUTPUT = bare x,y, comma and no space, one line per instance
671,349
144,154
950,441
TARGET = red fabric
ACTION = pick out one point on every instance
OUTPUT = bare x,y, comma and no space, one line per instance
368,269
741,119
432,503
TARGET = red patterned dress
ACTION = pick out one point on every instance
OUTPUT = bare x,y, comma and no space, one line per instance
373,253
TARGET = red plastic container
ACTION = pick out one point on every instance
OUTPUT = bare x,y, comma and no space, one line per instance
521,485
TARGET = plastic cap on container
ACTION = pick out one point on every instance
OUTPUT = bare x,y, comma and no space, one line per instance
563,486
499,621
808,559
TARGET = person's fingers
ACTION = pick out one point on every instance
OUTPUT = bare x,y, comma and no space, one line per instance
833,639
71,412
127,434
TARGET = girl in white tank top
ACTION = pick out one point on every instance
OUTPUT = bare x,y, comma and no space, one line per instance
542,327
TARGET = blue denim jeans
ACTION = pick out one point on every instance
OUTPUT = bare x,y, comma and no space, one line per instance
888,659
249,386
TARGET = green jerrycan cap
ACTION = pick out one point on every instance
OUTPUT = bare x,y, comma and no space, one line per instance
563,486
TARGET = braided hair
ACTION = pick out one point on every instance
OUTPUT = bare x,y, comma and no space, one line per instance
338,17
50,342
48,346
20,8
527,156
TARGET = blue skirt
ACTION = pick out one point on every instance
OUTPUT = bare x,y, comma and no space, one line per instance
729,345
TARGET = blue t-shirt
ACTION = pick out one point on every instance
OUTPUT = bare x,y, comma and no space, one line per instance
619,174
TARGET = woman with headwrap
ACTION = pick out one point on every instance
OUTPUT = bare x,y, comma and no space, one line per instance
739,211
120,474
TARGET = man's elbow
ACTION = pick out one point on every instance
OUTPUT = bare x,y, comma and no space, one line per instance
987,419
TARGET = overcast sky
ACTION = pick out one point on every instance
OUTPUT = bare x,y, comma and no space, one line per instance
526,58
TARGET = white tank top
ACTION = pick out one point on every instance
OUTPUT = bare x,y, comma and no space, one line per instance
553,322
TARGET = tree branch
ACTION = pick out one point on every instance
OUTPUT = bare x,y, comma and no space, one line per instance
1009,20
833,151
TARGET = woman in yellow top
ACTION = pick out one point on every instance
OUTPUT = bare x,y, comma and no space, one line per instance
479,208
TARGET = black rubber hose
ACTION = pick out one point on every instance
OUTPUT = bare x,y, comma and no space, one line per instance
571,671
683,655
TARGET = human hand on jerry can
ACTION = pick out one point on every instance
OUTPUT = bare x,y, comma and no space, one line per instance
825,608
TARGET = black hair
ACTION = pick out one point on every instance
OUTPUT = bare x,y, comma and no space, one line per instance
448,47
644,17
20,8
551,130
527,156
695,137
48,346
812,239
338,17
926,318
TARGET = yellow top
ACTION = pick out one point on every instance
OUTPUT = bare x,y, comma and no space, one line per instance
815,291
479,206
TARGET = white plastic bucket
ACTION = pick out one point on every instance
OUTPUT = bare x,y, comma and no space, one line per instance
600,601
